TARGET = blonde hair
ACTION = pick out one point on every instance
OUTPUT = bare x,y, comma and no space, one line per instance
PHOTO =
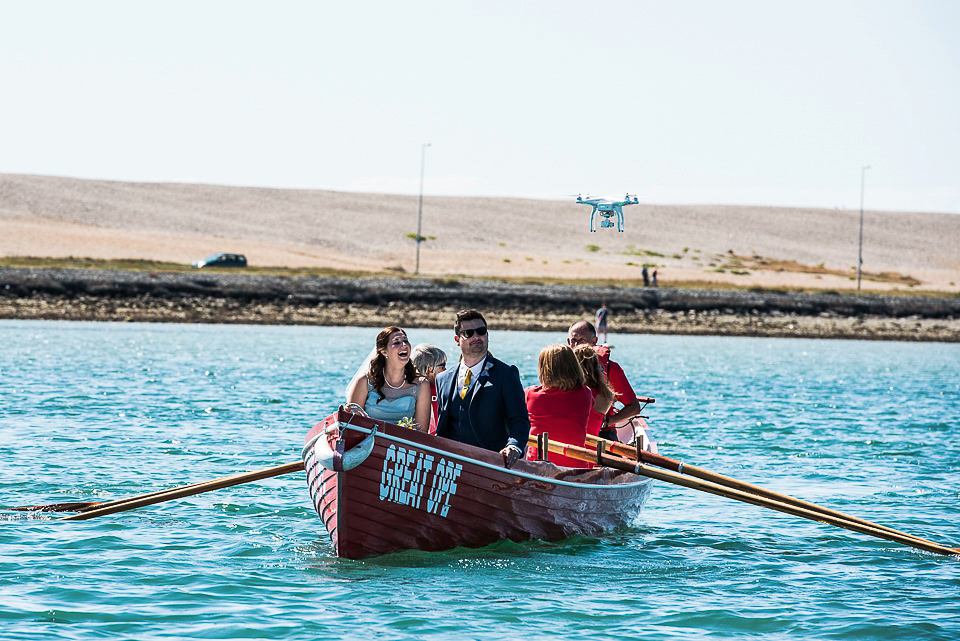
559,368
593,375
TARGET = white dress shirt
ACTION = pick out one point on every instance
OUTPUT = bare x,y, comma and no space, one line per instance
462,374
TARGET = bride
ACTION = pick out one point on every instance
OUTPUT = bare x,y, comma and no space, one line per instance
392,389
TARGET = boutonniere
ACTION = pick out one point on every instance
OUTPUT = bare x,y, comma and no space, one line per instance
486,368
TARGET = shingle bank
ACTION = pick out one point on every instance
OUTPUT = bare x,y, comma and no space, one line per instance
105,295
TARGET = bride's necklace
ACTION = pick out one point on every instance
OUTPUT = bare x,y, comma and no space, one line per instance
402,381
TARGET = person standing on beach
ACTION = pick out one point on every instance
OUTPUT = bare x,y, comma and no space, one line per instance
655,283
646,276
583,333
481,401
602,321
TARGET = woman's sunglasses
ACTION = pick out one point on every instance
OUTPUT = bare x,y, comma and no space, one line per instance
467,333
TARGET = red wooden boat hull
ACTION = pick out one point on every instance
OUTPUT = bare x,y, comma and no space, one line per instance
420,492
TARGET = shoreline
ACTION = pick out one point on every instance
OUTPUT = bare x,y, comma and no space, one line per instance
439,317
231,298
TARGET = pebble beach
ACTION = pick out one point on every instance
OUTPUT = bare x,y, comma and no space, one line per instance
236,298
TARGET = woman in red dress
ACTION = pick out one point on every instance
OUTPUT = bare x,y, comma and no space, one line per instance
596,380
560,405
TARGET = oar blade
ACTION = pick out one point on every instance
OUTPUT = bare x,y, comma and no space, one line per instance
75,506
153,498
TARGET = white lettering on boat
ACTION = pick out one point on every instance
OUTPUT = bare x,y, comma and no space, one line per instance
444,486
403,480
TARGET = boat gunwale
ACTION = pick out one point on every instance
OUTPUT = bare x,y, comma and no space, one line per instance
472,461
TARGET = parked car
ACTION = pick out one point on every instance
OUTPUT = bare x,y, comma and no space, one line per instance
222,260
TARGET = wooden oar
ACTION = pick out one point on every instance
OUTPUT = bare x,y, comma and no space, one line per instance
142,500
86,506
620,463
627,451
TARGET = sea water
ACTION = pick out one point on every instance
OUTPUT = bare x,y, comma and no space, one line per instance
97,411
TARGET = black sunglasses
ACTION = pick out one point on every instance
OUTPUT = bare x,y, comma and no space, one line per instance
467,333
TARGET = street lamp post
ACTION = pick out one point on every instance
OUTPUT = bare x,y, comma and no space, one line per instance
863,173
423,157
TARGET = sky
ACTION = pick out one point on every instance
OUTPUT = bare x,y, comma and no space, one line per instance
677,101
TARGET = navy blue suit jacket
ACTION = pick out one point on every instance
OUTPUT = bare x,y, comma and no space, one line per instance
495,407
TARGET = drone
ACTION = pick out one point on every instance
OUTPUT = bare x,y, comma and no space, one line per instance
607,209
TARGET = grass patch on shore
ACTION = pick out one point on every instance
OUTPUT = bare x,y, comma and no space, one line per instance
712,285
70,262
132,264
734,261
633,251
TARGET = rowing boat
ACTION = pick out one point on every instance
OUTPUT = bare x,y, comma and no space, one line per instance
381,488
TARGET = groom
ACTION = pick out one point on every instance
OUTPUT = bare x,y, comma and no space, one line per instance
481,401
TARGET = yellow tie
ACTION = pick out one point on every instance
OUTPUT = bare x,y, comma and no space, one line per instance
466,384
